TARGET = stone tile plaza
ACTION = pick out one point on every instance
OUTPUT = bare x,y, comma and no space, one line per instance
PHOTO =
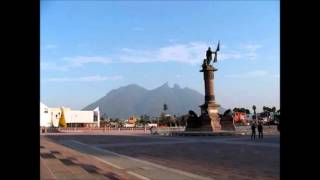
130,155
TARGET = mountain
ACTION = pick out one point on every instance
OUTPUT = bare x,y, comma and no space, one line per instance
136,100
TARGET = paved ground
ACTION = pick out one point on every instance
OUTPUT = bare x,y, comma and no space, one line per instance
59,162
159,157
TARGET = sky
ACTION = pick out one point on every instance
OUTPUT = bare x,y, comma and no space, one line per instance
88,48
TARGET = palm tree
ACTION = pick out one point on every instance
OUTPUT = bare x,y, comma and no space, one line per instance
254,111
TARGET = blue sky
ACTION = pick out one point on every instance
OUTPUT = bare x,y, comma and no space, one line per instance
91,47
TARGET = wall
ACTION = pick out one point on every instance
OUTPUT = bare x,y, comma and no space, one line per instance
45,120
79,117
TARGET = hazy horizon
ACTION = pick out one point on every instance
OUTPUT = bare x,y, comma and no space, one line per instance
150,89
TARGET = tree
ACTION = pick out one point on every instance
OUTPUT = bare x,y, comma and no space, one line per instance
247,111
254,111
142,120
62,120
227,112
273,109
165,107
147,118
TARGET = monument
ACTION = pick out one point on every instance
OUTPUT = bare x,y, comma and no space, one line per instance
209,120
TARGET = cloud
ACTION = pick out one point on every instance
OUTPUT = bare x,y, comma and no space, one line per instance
251,47
50,46
137,29
52,66
80,60
72,62
95,78
183,53
245,51
254,74
191,53
188,53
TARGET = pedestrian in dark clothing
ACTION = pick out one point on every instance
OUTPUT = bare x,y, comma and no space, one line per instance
253,129
260,130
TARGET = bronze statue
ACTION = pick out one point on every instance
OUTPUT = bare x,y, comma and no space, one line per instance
209,54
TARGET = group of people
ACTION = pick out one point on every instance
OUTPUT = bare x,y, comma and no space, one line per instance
260,130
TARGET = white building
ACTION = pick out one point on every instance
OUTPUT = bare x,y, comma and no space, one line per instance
49,117
44,116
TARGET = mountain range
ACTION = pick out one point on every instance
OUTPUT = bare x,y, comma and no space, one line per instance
136,100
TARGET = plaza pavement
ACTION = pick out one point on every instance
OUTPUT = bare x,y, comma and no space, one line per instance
145,156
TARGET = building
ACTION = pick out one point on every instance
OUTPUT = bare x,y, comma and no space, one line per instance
49,117
44,116
131,122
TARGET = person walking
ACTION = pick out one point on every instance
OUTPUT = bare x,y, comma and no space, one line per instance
260,130
253,130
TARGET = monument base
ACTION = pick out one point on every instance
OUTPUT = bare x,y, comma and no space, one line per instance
208,121
227,123
210,115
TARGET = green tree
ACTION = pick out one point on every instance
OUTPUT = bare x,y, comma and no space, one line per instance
254,109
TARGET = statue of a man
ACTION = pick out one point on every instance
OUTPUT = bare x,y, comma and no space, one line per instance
209,54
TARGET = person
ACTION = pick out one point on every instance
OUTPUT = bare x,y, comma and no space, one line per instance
152,129
253,129
260,130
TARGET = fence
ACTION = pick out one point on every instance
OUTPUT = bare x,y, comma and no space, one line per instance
166,130
89,129
272,129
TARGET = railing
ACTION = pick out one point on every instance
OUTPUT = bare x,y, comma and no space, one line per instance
272,129
91,129
166,130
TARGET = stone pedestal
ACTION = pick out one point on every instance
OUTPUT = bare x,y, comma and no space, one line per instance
209,110
209,119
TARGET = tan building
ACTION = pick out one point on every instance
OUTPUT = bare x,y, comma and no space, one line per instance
132,120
